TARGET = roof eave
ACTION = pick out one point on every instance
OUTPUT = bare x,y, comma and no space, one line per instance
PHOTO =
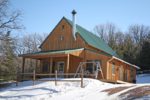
126,62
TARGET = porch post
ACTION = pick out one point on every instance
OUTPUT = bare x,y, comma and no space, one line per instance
36,64
23,63
51,64
40,65
68,62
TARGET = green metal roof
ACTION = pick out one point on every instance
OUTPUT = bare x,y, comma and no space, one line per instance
93,40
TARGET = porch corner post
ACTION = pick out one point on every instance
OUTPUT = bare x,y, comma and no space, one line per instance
107,67
68,62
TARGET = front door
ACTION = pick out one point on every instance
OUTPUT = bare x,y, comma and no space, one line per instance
60,68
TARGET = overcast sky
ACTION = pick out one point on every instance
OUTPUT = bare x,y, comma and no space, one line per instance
41,16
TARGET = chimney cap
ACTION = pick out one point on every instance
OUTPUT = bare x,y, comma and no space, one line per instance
74,12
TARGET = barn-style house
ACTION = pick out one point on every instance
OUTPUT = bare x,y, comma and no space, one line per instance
69,44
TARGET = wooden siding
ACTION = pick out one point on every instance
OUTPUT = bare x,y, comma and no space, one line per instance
91,55
61,38
126,71
87,46
74,63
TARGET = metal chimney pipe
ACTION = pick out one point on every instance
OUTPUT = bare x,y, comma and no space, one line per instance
74,24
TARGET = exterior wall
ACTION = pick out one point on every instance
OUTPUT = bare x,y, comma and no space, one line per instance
61,38
95,49
125,73
74,63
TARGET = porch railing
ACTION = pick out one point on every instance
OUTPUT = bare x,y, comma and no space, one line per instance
55,78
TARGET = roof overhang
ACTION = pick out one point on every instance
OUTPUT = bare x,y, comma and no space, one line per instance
45,54
113,57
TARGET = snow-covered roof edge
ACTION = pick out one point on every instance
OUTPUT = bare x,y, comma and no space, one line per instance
126,62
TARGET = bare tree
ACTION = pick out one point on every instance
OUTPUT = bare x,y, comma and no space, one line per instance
30,43
108,32
139,33
9,20
101,31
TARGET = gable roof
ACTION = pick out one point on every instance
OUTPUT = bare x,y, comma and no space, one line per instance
92,39
89,38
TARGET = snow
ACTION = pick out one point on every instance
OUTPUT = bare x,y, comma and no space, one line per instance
143,78
63,91
48,91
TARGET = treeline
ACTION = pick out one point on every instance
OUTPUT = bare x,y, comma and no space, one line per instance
132,46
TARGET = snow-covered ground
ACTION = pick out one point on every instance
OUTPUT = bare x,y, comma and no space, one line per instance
63,91
143,78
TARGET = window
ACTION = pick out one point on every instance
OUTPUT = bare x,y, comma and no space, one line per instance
113,68
45,67
91,67
60,68
63,26
61,37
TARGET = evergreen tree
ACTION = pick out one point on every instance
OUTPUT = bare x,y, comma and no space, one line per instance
145,55
8,57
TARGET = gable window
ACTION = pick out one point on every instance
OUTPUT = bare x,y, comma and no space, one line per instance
61,37
113,68
63,26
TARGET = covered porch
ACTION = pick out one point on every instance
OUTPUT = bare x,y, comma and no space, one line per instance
47,62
